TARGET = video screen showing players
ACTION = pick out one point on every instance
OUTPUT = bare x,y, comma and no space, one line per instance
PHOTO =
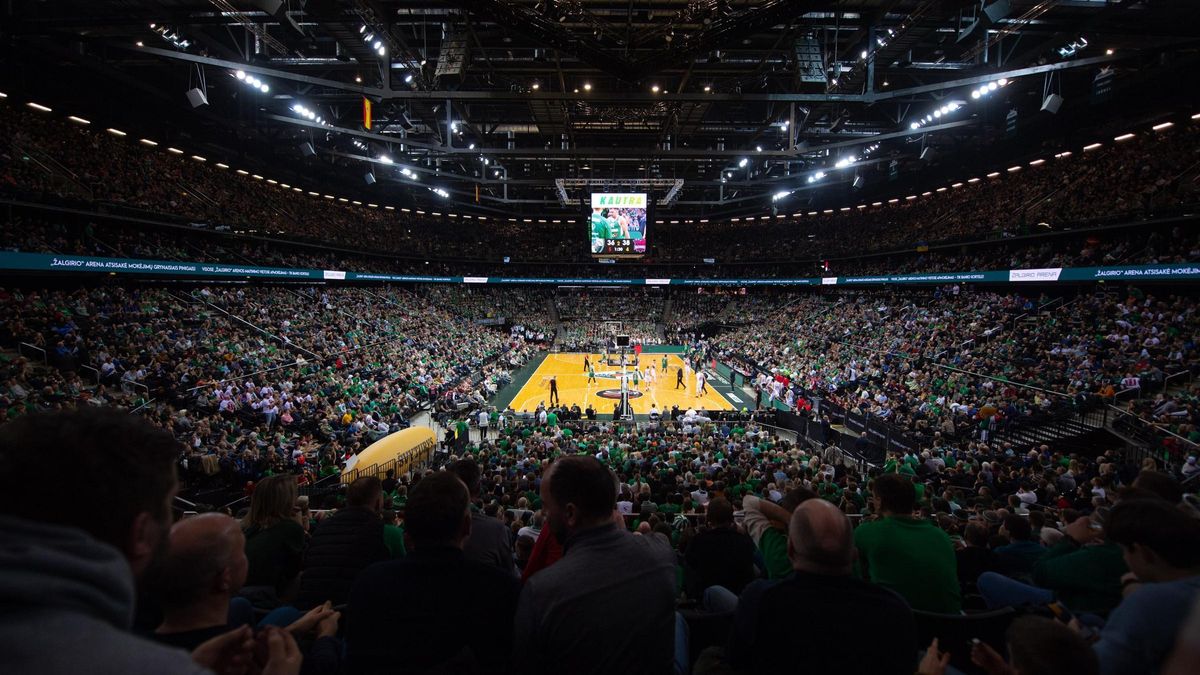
618,224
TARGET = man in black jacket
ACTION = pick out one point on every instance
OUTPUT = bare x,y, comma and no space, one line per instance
719,555
447,612
810,609
343,545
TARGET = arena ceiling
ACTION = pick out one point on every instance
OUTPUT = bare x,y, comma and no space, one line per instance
492,101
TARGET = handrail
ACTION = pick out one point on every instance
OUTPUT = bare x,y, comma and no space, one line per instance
143,405
1154,425
1181,373
294,364
96,372
45,360
952,368
257,328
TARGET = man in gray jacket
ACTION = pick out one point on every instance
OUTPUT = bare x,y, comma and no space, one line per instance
491,540
67,571
608,606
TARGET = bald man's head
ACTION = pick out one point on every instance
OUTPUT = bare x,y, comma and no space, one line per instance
206,556
820,539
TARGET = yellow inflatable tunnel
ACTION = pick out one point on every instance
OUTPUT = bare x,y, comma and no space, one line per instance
400,451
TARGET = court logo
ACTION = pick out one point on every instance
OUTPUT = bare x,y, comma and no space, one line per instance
615,394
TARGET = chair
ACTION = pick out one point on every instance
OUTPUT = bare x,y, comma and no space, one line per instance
955,633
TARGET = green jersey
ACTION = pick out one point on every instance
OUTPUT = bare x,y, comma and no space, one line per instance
599,226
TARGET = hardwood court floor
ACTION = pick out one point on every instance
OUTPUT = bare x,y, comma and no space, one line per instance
573,386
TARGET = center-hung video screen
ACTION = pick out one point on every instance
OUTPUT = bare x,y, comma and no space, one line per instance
618,223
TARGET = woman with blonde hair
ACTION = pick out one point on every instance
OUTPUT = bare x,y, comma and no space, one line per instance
274,540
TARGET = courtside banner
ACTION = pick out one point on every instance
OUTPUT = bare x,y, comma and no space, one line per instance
47,262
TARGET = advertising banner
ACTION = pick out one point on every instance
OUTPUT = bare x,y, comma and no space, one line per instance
47,262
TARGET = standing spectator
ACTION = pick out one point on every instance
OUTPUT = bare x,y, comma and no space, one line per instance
454,611
608,605
67,574
811,610
719,555
343,545
908,555
490,542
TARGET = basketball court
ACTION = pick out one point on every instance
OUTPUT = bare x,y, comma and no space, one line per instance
605,392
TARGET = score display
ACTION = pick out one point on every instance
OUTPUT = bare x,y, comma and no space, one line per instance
618,223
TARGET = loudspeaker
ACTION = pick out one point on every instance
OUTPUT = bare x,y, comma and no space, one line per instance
1052,103
307,149
369,178
927,153
197,97
622,340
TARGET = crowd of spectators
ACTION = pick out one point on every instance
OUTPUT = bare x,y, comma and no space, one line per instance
270,378
517,553
53,160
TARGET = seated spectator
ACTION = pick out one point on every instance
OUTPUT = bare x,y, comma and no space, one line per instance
821,610
974,558
274,541
490,541
343,545
719,555
454,613
1017,558
67,574
608,605
1036,646
1083,571
908,555
767,525
1161,545
201,573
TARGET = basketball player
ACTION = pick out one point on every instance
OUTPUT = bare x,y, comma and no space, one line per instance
701,384
591,374
599,230
651,375
553,390
637,379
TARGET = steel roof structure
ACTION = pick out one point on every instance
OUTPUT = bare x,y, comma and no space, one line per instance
492,101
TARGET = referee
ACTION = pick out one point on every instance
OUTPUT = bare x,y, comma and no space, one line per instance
553,390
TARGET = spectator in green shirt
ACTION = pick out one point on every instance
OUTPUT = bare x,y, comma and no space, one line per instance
908,555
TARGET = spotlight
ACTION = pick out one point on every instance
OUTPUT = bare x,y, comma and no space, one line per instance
587,86
707,88
992,86
742,162
264,88
536,85
654,88
241,74
975,94
914,125
384,159
382,50
758,148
